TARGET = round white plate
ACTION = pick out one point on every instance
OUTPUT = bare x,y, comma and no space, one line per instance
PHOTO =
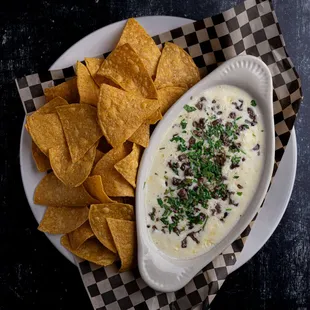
104,40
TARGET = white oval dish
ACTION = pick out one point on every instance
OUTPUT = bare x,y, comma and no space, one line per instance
160,271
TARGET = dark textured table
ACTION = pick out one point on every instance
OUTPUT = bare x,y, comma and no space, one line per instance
33,275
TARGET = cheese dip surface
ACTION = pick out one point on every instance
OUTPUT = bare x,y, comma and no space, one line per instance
205,172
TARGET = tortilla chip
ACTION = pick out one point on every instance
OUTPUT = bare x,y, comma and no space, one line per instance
91,250
142,43
45,130
121,113
124,67
125,239
78,236
62,220
51,106
176,68
128,167
168,96
113,182
97,219
52,192
71,174
94,187
88,89
79,123
142,135
98,156
42,162
66,90
155,117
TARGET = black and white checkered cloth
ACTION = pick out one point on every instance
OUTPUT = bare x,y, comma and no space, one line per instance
249,28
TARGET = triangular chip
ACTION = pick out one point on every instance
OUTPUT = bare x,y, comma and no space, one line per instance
94,187
88,89
121,113
125,239
142,43
52,192
78,236
42,162
51,106
155,117
91,250
176,68
66,90
71,174
168,96
62,220
93,65
79,123
142,135
124,67
113,182
99,225
128,167
45,130
98,156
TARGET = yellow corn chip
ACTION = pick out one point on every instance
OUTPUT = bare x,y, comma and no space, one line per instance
124,67
91,250
94,187
78,236
71,174
45,130
176,68
121,113
79,123
66,90
42,162
168,96
98,156
142,43
142,135
113,182
88,89
93,65
98,223
128,167
52,192
50,107
155,117
124,237
62,220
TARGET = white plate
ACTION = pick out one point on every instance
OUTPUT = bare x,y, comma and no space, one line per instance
103,40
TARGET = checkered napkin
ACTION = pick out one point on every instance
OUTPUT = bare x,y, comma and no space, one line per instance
249,28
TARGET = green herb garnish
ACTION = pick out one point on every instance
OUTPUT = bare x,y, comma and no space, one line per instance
239,193
183,124
253,103
236,177
188,108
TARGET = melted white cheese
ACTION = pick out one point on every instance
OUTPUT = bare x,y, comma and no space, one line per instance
248,172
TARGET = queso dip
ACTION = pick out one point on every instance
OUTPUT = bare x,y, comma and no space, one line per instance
205,172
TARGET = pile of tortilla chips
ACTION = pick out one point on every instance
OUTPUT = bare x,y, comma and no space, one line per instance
90,135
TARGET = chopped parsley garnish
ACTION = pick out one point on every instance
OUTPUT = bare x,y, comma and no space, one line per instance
183,124
198,172
237,119
253,103
235,160
188,108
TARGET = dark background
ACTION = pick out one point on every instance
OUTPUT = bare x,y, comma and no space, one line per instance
33,275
